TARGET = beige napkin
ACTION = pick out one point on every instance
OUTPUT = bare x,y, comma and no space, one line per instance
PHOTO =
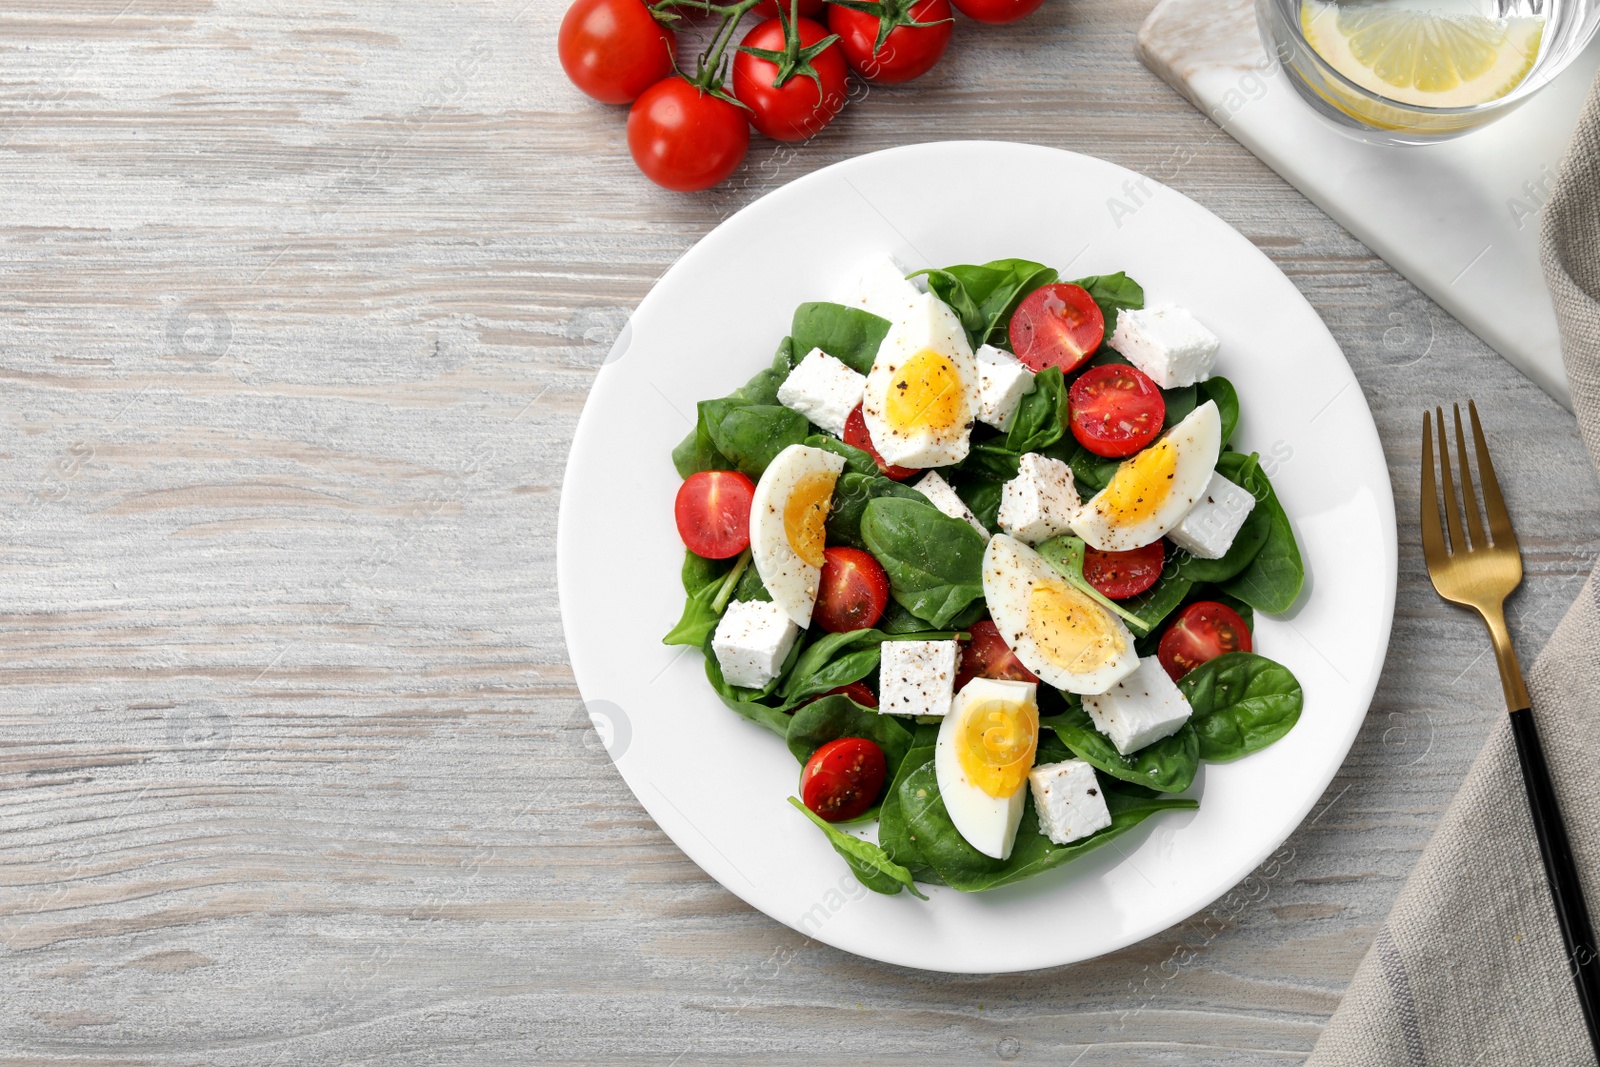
1470,967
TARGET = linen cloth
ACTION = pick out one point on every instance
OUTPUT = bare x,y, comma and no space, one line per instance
1470,967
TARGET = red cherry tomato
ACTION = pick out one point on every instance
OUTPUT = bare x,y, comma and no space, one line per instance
799,107
713,513
809,9
856,436
1120,575
685,139
1202,631
853,591
1057,325
1116,410
987,655
856,691
908,52
614,50
996,12
843,778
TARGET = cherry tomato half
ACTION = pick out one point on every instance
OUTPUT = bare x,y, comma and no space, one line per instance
1057,325
1120,575
996,12
853,592
856,436
856,691
1202,631
713,513
685,139
800,107
843,778
614,50
809,9
987,655
1116,410
908,52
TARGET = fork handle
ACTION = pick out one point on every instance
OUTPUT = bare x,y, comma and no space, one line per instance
1583,959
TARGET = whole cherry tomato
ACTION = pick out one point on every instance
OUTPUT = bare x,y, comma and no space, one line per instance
685,138
614,50
813,78
920,34
996,12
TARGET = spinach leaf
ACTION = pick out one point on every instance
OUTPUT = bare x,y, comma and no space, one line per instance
834,717
968,870
1227,397
750,586
1181,403
710,584
851,495
1092,473
849,334
1041,414
983,297
1251,536
855,460
893,833
1242,703
699,450
981,494
1273,578
748,702
1113,292
871,865
1159,601
831,661
752,434
1167,766
934,562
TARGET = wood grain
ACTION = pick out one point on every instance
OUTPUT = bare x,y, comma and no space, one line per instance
298,308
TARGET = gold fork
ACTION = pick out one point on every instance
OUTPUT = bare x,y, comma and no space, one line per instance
1478,571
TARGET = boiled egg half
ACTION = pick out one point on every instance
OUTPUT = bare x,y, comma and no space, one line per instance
1154,490
922,391
982,758
1057,631
786,526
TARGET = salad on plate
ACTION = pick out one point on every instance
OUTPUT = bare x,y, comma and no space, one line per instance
977,547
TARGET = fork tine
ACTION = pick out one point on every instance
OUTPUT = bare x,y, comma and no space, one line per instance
1469,499
1493,502
1433,547
1452,517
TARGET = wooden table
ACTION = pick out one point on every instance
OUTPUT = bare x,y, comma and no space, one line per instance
298,308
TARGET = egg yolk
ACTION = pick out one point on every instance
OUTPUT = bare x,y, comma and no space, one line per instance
996,744
1140,485
805,512
1072,631
926,394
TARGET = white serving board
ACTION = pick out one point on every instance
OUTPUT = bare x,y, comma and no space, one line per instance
1460,219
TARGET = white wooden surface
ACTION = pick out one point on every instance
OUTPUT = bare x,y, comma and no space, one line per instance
298,307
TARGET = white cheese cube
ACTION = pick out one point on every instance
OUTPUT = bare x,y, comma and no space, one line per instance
917,677
823,389
947,500
1214,521
1040,502
1167,343
1141,709
752,641
1068,799
1002,380
880,286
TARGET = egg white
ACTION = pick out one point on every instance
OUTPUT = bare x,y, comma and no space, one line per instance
1197,440
790,580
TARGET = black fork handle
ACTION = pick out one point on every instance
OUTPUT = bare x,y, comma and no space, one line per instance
1583,955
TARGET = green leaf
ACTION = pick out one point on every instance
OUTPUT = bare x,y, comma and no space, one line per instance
1041,415
934,562
1167,766
849,334
893,833
831,661
1181,403
968,870
851,494
1242,703
1222,391
705,581
981,494
1251,536
751,435
871,865
1272,580
855,460
1159,601
984,297
1113,292
834,717
748,702
698,451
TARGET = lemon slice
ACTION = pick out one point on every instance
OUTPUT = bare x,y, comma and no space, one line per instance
1424,58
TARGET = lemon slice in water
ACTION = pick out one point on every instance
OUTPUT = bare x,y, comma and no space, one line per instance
1421,57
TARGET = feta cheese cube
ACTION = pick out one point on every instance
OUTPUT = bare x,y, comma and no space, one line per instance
1068,799
1214,521
1141,709
941,496
1002,380
823,389
917,677
752,641
880,286
1040,502
1167,343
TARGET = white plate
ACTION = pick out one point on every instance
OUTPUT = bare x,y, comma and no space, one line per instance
717,784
